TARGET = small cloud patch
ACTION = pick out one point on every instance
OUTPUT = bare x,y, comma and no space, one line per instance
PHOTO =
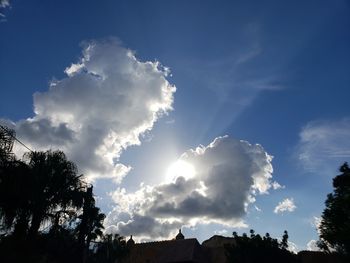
287,205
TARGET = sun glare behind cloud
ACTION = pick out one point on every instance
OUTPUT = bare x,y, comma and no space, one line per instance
180,168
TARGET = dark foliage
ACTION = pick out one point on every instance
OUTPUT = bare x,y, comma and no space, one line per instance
45,189
109,249
47,211
335,223
259,249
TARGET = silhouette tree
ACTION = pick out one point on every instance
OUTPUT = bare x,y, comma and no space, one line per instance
258,249
252,233
44,187
284,242
7,136
14,205
91,223
56,188
109,249
335,223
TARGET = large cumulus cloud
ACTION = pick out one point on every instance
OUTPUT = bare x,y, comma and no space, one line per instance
228,175
107,101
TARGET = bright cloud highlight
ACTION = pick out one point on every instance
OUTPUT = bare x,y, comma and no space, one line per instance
228,175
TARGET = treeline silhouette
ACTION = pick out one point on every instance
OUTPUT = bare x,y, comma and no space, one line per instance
255,248
48,212
335,224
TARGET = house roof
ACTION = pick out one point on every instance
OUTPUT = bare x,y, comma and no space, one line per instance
182,251
179,235
172,251
218,241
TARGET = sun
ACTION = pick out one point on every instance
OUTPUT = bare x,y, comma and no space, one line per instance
180,168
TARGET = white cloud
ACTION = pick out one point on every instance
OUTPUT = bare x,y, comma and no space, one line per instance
228,175
222,232
287,205
257,209
292,247
312,245
4,4
324,143
276,185
108,100
316,223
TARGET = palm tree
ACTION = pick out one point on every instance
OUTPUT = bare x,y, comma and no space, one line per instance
14,205
56,188
45,187
91,223
110,248
14,212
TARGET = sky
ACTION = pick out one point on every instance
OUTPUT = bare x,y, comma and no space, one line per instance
210,116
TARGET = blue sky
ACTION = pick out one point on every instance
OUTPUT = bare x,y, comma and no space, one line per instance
275,73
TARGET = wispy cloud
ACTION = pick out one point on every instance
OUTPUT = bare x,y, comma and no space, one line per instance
235,81
3,5
287,205
257,209
324,143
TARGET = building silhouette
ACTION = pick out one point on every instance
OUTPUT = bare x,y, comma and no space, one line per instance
189,250
178,250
